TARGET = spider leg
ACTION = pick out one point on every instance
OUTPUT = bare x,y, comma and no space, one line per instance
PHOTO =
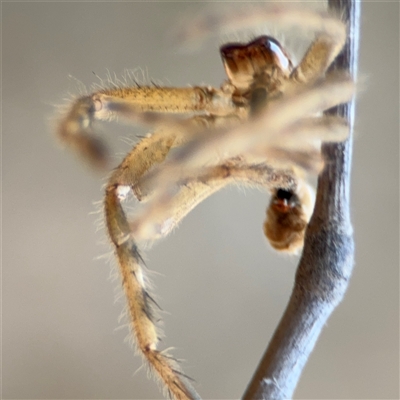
323,128
125,236
167,208
139,300
231,20
264,130
285,229
290,208
153,150
134,283
142,104
148,152
75,131
319,56
301,142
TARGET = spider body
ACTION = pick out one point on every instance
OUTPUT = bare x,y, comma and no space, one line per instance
258,129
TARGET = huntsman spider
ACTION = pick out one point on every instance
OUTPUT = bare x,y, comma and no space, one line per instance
263,127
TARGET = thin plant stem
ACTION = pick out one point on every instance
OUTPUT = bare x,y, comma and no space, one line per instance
327,261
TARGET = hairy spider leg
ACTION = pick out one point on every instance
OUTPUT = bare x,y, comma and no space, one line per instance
143,104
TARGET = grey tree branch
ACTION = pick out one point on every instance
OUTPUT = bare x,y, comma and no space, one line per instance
326,264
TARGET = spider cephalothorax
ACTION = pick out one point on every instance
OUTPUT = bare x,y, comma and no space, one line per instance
261,128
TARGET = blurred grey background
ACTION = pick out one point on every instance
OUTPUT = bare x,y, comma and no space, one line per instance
223,288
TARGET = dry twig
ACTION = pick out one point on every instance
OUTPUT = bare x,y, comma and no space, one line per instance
326,264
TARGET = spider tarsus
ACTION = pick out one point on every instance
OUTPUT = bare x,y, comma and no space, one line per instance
75,131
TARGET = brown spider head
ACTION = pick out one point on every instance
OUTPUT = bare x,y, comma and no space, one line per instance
262,57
